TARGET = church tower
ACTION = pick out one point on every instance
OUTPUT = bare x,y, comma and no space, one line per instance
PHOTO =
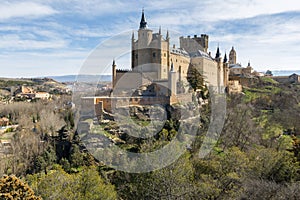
232,57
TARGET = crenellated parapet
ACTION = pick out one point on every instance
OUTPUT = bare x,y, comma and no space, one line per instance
123,70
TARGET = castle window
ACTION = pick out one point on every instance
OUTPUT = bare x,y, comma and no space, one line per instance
154,54
136,56
165,54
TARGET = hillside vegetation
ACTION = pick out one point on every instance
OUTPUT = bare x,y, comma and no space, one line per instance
256,157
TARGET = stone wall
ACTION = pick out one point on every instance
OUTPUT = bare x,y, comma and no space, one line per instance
110,103
208,68
181,65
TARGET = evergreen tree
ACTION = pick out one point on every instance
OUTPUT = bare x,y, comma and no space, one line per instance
194,78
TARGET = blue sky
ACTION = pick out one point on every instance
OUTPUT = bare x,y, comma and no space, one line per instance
54,37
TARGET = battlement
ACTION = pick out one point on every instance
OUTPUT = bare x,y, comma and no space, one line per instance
192,44
123,70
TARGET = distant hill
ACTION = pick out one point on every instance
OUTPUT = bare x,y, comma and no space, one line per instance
285,72
8,82
82,78
107,78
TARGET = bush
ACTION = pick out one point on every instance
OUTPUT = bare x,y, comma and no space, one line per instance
14,189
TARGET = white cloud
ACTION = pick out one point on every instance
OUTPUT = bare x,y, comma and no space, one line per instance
206,11
10,10
14,42
10,28
189,10
34,64
50,42
90,8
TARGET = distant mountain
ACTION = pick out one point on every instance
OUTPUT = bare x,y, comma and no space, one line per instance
285,72
107,78
82,78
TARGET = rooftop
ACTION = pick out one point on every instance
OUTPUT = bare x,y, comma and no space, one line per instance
200,53
179,51
235,66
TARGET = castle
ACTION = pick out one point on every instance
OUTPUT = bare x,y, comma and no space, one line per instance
159,71
152,56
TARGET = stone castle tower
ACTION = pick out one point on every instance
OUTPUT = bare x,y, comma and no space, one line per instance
222,69
150,51
193,44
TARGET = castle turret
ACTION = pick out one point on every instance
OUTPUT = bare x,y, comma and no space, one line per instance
220,73
225,71
150,51
225,58
172,82
114,73
204,42
140,54
132,37
132,50
144,34
194,44
167,36
218,54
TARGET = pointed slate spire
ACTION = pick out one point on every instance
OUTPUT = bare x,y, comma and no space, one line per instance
218,54
132,37
143,23
167,36
114,62
249,63
159,31
225,58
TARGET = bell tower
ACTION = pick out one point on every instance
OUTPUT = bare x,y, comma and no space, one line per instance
232,57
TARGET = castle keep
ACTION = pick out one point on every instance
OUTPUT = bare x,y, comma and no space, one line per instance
153,56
